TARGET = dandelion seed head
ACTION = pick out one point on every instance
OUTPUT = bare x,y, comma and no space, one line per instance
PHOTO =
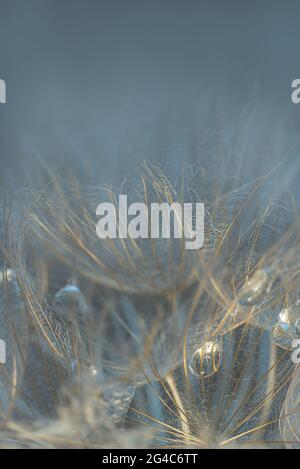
149,344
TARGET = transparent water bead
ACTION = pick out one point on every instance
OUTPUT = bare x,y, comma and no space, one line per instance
11,300
9,288
70,303
256,288
206,361
93,371
287,328
6,276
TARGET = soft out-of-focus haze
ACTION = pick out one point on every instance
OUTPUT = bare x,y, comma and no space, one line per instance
104,84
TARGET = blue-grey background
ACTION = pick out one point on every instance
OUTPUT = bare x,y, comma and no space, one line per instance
107,83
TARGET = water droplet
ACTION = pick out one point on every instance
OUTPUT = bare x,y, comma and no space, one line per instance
70,303
287,328
93,371
255,289
206,361
6,276
281,332
9,283
297,328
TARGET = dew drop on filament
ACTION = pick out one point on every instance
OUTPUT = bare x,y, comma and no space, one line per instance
6,276
287,328
206,360
70,303
255,289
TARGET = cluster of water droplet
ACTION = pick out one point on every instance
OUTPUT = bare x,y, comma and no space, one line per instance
280,319
71,307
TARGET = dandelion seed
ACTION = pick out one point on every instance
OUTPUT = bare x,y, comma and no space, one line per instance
290,413
117,363
14,333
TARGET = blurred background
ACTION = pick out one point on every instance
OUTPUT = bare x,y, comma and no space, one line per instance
101,85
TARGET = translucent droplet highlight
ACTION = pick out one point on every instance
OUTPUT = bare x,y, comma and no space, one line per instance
287,328
6,276
206,361
70,303
255,289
